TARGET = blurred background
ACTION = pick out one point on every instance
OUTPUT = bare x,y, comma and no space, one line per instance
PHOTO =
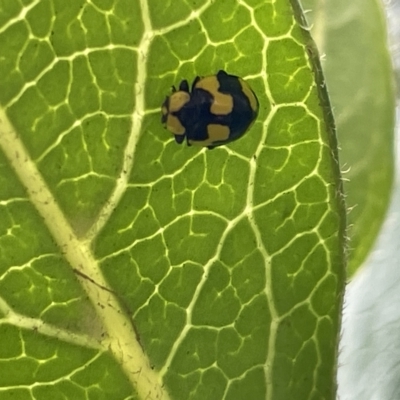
369,361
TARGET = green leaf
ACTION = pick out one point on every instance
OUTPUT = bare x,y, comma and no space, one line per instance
132,267
360,81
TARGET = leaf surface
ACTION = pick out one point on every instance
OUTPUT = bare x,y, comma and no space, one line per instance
131,267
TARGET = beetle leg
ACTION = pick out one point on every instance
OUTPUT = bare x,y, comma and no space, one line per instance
195,81
184,86
179,138
221,73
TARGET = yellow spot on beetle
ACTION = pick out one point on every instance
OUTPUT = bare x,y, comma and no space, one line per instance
215,132
174,125
223,103
249,94
178,100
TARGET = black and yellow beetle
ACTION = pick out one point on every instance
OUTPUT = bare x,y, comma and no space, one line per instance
219,109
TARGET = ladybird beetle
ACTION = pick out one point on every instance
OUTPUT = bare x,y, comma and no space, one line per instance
219,109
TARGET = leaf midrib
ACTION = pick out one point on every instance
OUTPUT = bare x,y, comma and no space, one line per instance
121,339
